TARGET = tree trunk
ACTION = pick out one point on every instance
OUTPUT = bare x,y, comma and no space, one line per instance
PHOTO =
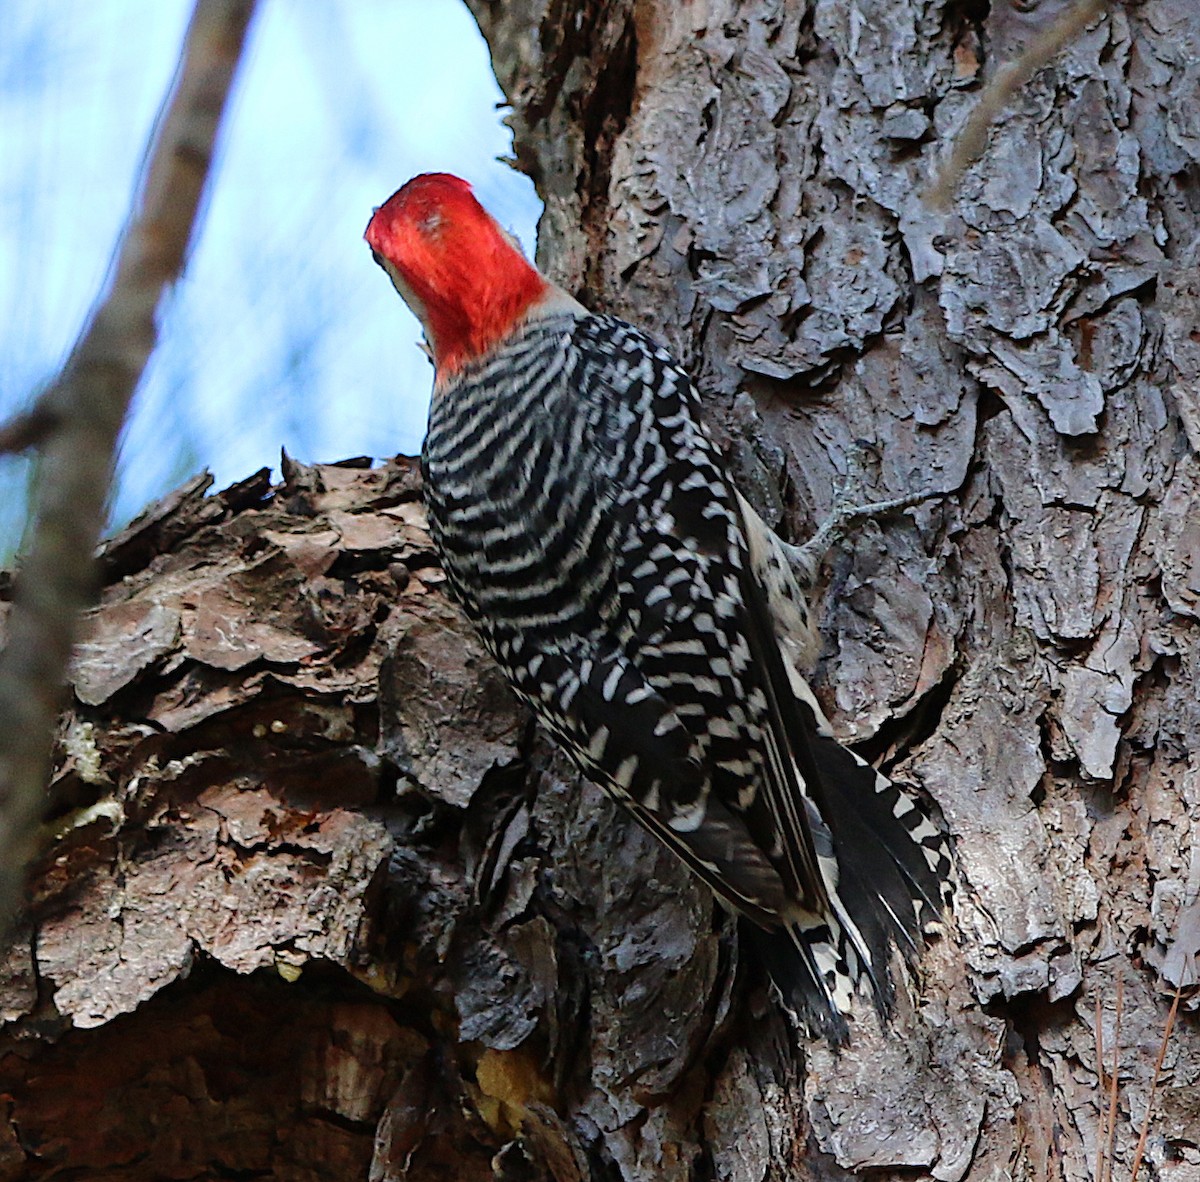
317,902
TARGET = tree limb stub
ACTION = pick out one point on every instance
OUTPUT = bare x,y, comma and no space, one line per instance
27,429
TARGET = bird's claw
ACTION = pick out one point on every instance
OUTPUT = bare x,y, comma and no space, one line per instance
845,515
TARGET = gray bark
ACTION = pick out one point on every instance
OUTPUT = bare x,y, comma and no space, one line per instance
304,764
746,179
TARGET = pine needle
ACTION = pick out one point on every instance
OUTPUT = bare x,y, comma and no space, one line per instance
1162,1054
1101,1126
1111,1126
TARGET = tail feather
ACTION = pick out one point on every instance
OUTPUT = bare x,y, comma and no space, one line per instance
888,875
884,866
809,968
885,834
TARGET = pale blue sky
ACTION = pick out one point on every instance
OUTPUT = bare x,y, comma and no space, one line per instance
283,332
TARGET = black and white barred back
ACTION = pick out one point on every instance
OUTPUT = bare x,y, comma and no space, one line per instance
647,616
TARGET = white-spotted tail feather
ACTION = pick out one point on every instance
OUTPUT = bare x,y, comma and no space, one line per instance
886,868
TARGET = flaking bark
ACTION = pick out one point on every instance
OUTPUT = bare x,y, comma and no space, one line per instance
317,903
746,180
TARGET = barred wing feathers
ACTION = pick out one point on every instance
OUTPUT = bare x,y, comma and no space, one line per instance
636,604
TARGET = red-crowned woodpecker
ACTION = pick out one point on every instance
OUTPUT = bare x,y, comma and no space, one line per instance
644,612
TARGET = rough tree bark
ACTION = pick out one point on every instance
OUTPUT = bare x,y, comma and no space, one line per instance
315,900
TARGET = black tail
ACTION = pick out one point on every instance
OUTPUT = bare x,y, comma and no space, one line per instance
893,878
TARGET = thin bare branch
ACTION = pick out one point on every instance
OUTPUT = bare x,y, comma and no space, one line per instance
1041,51
57,577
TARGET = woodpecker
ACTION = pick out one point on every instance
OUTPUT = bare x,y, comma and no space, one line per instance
644,612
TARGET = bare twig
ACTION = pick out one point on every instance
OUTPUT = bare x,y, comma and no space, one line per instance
1008,80
56,579
1162,1054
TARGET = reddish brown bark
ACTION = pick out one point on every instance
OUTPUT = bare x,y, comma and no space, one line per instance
302,760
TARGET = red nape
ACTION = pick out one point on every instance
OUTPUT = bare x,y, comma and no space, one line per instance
458,271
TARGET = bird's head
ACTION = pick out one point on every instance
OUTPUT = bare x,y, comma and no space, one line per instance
460,273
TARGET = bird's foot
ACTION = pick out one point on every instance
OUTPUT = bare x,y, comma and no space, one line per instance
849,511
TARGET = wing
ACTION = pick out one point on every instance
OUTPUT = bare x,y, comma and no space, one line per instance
679,615
627,738
707,613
